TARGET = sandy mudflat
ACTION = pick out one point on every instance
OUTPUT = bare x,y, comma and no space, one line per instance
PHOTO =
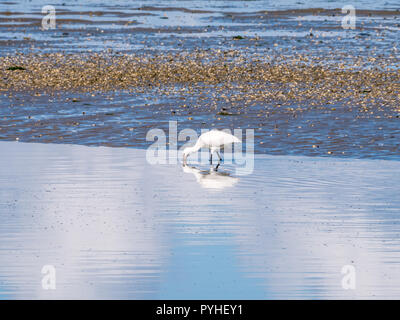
297,105
116,227
110,72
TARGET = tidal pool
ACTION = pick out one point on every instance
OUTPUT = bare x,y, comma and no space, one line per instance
115,227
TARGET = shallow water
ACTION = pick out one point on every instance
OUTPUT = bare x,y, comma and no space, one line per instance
159,27
123,119
115,226
151,26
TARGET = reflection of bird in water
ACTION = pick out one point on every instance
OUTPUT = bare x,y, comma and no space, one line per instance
212,179
212,140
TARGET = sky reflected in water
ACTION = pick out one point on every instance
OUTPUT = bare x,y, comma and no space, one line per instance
116,227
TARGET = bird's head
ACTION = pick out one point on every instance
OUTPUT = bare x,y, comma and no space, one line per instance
186,153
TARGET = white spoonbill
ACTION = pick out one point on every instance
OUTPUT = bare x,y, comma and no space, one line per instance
212,140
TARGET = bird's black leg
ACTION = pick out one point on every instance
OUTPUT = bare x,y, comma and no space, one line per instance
219,156
210,157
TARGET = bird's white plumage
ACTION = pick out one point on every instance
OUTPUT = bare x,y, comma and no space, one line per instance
212,140
216,139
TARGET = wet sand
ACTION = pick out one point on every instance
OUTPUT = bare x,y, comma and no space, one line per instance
110,72
123,118
116,227
167,29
